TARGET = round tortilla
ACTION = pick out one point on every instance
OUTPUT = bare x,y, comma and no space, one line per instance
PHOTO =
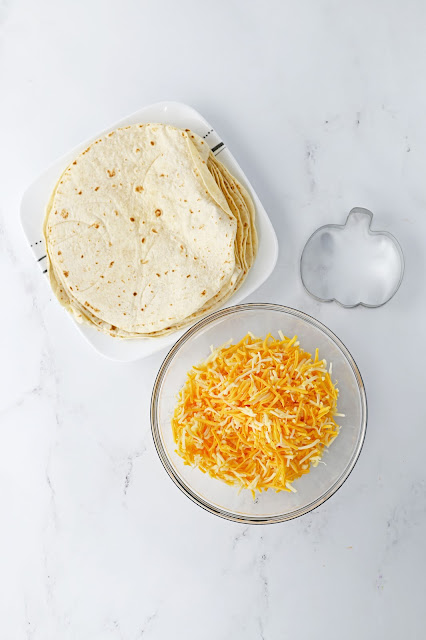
146,231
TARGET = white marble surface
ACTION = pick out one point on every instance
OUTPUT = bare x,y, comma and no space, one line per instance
323,103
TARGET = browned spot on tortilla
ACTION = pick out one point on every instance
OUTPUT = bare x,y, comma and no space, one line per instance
111,134
154,231
111,173
96,225
116,212
134,293
158,212
157,274
191,211
143,240
137,149
64,213
138,188
189,275
152,142
79,193
132,219
82,256
113,328
203,293
75,162
195,258
59,253
96,188
66,274
111,263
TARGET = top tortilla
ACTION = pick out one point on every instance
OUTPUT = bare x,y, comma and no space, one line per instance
138,232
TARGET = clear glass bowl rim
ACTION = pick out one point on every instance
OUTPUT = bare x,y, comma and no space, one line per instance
223,513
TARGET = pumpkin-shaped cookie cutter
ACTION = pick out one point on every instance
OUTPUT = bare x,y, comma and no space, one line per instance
352,265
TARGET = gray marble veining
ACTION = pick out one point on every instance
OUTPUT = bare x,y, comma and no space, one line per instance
322,103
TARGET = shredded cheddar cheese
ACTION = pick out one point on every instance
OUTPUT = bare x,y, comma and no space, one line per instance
256,414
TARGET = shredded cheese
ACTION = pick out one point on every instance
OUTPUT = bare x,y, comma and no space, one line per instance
256,414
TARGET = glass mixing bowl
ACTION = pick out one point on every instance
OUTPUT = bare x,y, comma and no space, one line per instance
313,488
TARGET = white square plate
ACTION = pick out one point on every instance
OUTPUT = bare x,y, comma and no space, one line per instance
180,115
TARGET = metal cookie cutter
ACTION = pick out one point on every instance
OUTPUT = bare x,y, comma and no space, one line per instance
352,265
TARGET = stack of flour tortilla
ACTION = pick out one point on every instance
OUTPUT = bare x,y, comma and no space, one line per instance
146,232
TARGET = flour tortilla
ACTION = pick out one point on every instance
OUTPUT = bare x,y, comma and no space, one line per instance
140,204
133,235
